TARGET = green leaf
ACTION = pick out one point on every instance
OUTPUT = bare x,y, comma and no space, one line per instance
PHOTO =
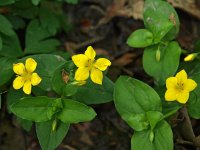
140,38
16,21
194,99
161,19
49,20
37,109
26,124
38,39
162,138
0,101
1,43
132,96
6,2
72,1
153,117
74,112
70,89
11,50
166,66
35,2
6,26
14,96
6,72
46,66
95,94
49,139
25,9
138,122
190,70
58,84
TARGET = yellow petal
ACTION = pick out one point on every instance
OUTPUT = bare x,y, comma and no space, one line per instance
19,68
181,76
183,97
90,53
27,87
102,64
190,85
18,82
191,57
96,76
35,79
30,64
80,83
80,60
171,82
171,94
82,74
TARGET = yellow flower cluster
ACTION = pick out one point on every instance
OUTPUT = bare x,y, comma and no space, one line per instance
178,87
26,77
88,66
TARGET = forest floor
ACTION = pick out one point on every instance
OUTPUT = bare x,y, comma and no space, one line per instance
105,25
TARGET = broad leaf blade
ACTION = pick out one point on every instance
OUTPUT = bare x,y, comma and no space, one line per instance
6,73
166,66
74,112
161,19
6,26
49,139
140,38
163,138
37,109
38,39
95,94
6,2
132,96
11,50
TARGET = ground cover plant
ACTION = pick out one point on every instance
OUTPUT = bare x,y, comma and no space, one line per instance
49,90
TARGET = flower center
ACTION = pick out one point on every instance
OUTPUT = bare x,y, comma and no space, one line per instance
90,64
27,75
180,86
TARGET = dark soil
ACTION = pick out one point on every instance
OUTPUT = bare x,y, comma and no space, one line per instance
107,131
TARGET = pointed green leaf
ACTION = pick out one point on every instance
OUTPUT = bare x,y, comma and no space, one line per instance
49,20
6,2
74,112
138,122
25,9
49,139
38,39
162,138
11,50
37,109
6,72
1,43
6,26
26,124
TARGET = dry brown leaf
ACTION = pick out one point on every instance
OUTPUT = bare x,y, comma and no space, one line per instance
134,8
190,6
124,60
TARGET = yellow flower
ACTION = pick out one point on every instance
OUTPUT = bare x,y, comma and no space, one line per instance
88,66
191,57
178,87
25,75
